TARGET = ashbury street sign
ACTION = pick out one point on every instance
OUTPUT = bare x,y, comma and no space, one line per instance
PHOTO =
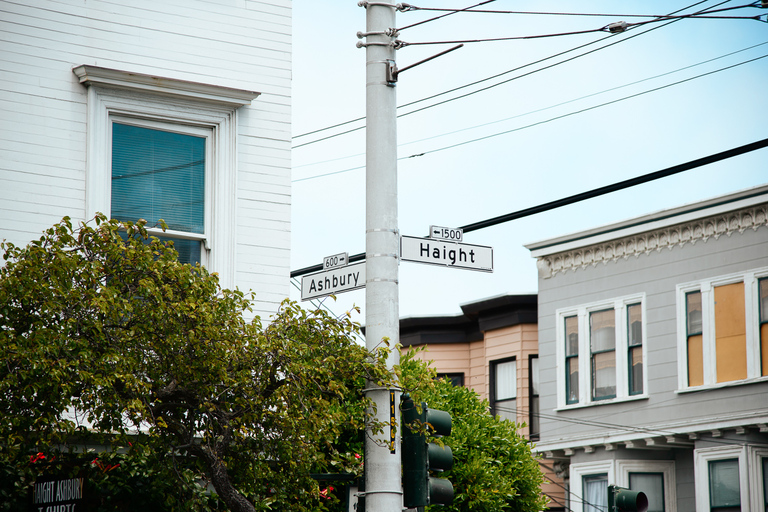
336,280
447,254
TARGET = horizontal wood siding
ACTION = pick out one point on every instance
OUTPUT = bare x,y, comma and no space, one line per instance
656,274
244,44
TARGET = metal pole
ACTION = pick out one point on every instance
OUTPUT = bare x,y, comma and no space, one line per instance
382,453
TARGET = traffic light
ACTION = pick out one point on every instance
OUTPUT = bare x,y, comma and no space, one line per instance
624,500
420,457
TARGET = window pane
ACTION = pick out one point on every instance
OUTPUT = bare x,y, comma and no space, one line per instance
652,484
724,483
158,175
595,493
533,400
693,312
506,380
695,360
635,324
730,332
534,362
571,336
604,375
635,370
602,330
572,380
763,293
765,482
456,379
506,409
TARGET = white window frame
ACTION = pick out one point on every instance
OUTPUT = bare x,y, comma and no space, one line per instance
751,316
579,471
701,459
666,468
619,306
180,106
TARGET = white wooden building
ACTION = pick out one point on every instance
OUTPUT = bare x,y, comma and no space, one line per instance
173,109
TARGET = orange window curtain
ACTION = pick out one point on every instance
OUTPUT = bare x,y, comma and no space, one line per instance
730,333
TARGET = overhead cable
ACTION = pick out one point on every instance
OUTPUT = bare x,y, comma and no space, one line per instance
545,121
477,82
676,169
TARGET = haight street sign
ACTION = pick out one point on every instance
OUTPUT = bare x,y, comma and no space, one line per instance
446,254
329,282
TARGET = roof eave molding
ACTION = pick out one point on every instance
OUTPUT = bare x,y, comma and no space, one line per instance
114,78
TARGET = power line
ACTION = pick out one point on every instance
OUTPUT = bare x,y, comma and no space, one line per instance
588,108
676,169
545,121
495,76
527,113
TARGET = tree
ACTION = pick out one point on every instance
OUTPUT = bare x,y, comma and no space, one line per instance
108,341
494,469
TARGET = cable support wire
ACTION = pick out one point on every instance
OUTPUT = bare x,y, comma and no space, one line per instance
676,169
547,13
613,28
406,8
562,116
477,82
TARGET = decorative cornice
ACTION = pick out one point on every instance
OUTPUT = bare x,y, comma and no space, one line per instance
645,243
115,78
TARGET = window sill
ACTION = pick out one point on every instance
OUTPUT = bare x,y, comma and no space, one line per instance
721,385
618,400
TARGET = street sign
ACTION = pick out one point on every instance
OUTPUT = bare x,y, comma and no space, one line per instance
335,261
442,233
447,254
336,280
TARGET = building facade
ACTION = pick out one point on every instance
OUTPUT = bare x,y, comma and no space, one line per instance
653,349
156,110
491,348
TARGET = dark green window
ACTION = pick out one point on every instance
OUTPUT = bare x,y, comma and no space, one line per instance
602,341
635,348
160,174
571,360
724,492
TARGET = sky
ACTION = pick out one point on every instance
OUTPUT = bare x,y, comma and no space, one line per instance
551,126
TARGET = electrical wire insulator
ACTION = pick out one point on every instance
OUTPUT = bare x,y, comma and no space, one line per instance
616,28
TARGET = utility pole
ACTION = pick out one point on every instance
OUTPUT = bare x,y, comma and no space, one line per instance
383,491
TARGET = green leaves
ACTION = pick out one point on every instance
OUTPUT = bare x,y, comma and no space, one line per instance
107,339
494,469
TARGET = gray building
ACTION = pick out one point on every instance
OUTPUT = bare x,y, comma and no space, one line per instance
653,349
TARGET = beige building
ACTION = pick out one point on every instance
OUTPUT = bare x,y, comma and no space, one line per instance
492,348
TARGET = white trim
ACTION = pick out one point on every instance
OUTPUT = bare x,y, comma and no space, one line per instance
195,91
648,223
751,317
702,457
666,468
757,498
184,106
582,469
619,305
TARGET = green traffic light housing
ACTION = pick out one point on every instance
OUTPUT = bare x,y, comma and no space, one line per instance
624,500
420,457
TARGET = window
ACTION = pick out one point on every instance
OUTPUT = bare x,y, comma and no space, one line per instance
722,478
595,493
635,343
159,174
572,359
655,478
723,334
763,301
652,484
724,494
504,387
611,334
125,111
457,379
533,406
602,339
765,484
